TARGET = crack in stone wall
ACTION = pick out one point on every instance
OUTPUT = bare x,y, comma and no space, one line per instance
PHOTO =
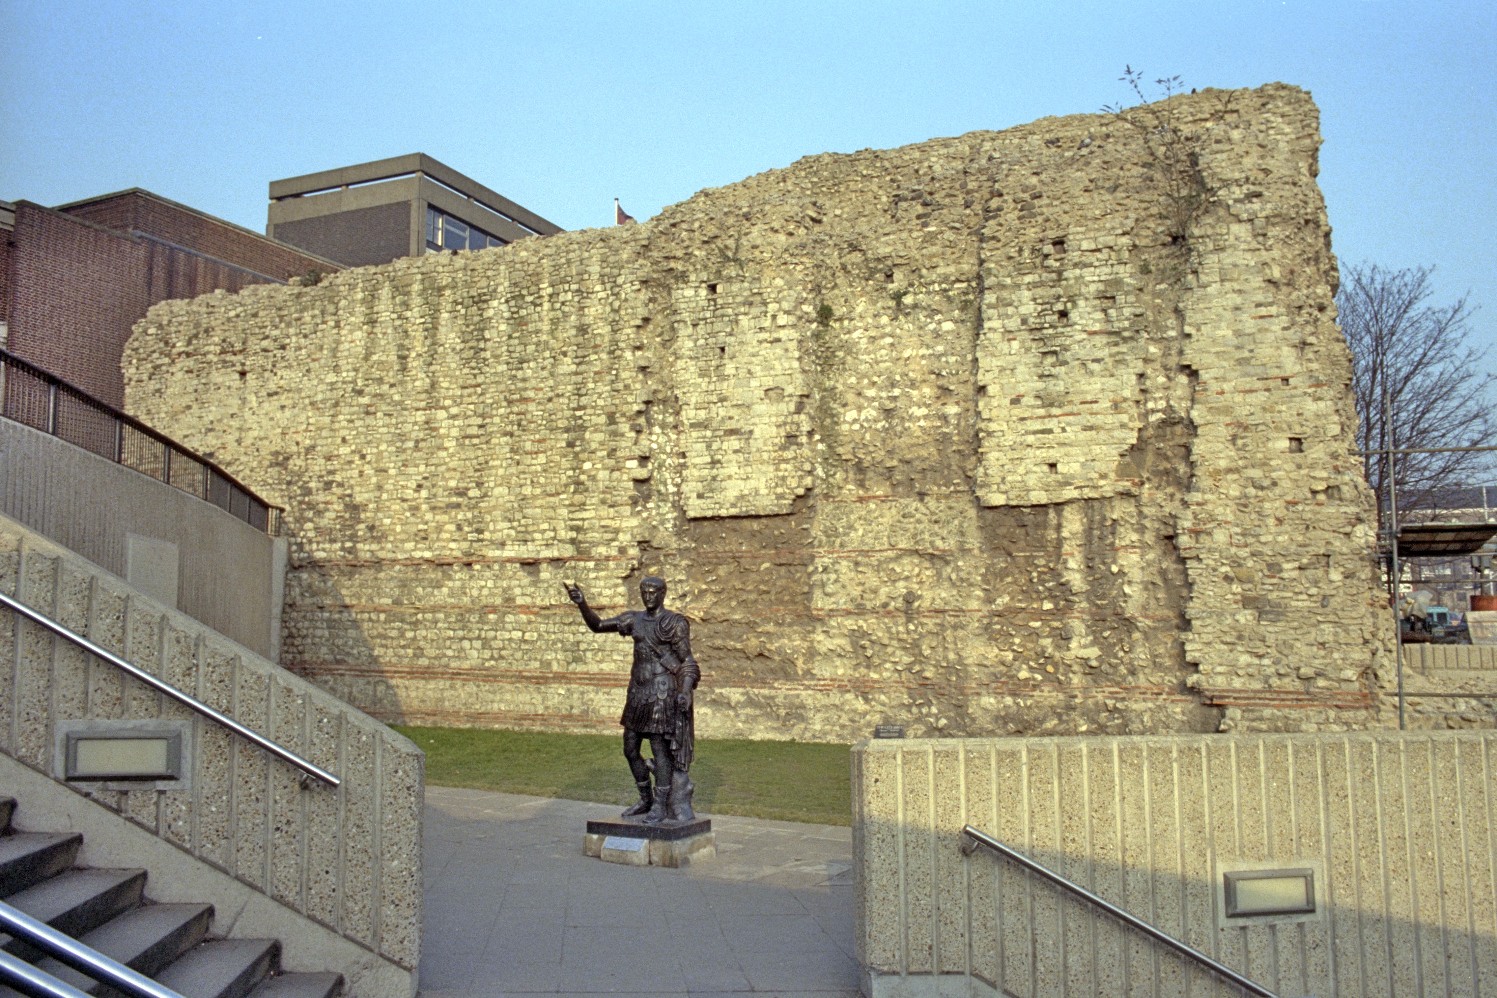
964,436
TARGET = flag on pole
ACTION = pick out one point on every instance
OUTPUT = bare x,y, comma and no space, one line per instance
620,216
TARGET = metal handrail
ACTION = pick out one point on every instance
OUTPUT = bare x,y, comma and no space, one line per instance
32,980
980,838
213,483
309,768
73,953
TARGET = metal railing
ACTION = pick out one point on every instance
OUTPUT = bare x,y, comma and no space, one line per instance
45,402
30,980
309,769
73,953
979,838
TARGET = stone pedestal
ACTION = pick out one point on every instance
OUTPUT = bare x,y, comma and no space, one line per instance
631,842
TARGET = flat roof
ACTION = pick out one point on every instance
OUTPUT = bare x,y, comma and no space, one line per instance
381,170
1443,540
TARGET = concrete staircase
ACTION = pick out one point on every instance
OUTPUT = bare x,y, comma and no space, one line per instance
107,910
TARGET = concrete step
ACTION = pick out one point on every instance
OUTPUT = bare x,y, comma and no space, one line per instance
106,910
324,985
75,902
28,858
145,939
222,968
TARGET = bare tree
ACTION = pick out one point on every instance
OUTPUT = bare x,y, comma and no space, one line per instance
1414,358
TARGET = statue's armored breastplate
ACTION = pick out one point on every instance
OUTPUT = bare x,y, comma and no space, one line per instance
648,649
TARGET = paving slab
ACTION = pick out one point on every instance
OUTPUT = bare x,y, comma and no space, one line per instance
514,907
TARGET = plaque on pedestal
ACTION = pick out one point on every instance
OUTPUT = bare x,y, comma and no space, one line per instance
637,844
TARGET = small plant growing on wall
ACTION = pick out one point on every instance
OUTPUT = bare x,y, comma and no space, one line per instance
1171,151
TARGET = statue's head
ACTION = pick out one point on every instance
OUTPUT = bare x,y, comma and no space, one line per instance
652,592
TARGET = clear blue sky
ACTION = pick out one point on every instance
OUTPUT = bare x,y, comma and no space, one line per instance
563,106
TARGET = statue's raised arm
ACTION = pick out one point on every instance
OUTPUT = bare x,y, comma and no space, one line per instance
589,615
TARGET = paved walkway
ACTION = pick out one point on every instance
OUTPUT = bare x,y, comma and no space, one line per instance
513,907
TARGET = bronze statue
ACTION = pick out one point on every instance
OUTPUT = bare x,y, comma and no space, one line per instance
658,705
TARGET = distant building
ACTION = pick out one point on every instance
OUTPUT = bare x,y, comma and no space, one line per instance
405,206
75,279
1456,504
1454,579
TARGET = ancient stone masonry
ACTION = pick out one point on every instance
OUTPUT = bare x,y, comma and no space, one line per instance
980,436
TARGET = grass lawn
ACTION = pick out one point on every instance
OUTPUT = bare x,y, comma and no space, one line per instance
790,781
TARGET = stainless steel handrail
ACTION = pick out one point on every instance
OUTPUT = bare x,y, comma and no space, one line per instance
980,838
309,768
73,953
33,980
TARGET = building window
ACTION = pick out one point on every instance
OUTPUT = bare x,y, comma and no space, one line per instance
443,232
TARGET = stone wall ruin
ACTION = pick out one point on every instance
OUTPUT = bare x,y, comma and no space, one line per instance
1038,431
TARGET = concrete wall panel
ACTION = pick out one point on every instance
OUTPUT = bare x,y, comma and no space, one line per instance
226,569
1397,829
346,858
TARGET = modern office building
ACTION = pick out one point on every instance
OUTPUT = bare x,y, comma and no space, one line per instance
404,206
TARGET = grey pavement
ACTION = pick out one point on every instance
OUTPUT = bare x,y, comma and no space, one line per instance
513,907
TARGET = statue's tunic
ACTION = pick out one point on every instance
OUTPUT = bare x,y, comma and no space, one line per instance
663,667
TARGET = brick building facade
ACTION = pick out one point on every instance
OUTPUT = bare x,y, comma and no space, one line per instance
75,279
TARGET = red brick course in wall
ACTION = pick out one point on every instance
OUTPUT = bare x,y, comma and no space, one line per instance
78,278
